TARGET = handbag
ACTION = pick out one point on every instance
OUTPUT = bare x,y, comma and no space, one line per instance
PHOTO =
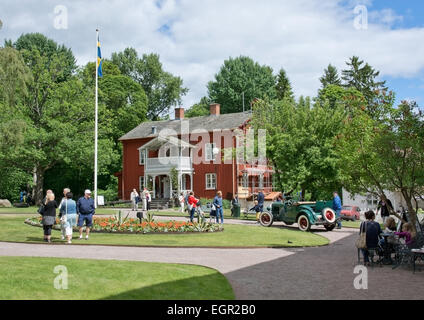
64,218
41,209
361,243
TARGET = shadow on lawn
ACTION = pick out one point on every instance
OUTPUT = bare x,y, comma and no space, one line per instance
211,287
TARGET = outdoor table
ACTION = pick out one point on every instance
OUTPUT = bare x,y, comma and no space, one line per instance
417,253
387,259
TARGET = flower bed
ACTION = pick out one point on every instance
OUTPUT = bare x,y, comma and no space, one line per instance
131,226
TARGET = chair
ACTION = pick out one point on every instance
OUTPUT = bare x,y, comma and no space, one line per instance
403,253
373,252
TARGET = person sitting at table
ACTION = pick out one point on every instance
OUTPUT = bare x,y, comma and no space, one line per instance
407,233
373,230
390,228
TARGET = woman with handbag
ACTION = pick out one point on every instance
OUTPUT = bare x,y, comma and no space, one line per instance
49,216
68,219
369,235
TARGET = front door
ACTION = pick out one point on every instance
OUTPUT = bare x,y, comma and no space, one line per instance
166,188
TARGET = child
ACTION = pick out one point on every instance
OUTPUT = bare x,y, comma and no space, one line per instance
407,234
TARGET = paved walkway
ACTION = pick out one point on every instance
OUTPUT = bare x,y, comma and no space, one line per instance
311,273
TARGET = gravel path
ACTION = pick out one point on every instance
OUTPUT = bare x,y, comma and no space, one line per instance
311,273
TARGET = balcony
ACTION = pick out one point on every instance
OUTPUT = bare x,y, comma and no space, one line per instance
165,164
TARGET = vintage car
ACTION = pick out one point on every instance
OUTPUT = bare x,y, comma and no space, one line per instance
305,214
351,213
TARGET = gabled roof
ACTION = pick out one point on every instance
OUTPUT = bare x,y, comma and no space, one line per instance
229,121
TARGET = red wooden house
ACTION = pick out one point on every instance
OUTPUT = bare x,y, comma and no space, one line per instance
199,152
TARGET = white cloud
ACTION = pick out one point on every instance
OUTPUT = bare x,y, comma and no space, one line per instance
302,36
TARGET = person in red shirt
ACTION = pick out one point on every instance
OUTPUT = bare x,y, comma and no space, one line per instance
192,202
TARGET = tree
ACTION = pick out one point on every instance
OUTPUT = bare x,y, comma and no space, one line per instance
199,109
49,49
387,154
163,90
330,77
363,78
300,144
283,86
237,76
14,76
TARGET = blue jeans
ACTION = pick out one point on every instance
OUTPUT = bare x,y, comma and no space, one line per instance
366,254
193,210
220,213
339,221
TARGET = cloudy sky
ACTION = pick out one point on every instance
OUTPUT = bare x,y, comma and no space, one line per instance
194,37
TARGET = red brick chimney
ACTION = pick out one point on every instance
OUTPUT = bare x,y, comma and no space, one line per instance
215,109
179,113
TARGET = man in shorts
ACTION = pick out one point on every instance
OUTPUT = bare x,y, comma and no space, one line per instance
86,210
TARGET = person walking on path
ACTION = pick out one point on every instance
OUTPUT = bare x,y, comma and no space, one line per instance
61,212
148,199
217,202
261,201
69,216
49,216
373,231
182,202
192,202
134,200
337,207
86,210
144,199
383,206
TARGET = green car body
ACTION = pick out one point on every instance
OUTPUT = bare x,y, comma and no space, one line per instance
305,214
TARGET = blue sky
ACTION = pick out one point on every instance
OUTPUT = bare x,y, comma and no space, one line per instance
193,38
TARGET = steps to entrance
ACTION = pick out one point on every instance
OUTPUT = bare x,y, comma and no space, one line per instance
160,204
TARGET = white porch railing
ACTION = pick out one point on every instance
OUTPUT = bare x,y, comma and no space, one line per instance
164,165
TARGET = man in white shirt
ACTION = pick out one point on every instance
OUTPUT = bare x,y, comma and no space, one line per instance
134,200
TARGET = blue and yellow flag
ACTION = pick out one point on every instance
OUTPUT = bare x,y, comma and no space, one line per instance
99,59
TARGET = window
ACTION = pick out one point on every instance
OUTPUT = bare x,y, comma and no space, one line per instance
372,201
210,181
141,183
142,155
245,180
209,151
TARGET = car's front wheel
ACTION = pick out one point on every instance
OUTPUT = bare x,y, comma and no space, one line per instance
303,223
266,219
354,218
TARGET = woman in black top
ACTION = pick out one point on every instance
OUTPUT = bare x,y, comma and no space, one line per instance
373,230
49,216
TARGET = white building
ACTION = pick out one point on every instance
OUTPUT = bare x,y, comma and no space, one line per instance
370,202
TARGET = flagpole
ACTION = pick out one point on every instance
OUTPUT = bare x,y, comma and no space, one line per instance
96,121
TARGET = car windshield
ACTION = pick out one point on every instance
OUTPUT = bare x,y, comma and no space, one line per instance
347,208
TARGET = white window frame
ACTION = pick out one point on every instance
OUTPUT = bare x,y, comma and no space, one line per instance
141,183
210,181
245,180
142,157
209,156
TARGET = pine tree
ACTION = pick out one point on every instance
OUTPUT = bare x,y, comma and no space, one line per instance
363,78
283,86
331,76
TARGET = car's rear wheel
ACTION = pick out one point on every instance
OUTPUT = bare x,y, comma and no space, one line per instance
329,215
266,219
329,227
303,223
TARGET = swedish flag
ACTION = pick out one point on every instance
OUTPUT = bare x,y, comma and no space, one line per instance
99,59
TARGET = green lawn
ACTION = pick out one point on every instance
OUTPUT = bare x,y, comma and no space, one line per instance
12,228
33,279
